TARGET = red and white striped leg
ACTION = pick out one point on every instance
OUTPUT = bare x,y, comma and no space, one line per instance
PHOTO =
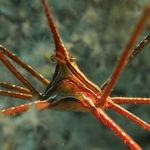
124,57
19,76
24,65
130,100
100,114
16,94
138,49
129,115
15,88
40,105
106,120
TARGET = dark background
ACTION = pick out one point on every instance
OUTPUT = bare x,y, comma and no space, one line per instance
96,32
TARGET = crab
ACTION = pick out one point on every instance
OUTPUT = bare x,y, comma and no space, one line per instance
70,89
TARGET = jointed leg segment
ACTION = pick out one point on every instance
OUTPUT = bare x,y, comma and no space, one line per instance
18,74
98,110
129,115
16,94
124,57
139,48
133,54
130,100
24,65
13,87
106,120
40,105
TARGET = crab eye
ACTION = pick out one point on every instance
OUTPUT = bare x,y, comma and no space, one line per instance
72,59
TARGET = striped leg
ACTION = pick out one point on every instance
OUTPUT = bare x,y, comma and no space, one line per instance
106,120
129,115
19,76
13,87
124,57
24,65
130,100
134,53
40,105
16,94
100,114
61,52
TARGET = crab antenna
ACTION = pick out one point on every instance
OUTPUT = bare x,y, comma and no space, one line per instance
60,48
124,57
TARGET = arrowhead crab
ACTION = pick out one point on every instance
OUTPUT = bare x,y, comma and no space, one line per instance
69,88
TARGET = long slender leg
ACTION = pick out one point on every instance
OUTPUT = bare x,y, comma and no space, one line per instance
100,114
18,75
16,94
106,120
139,48
61,52
24,65
129,115
40,105
13,87
62,55
124,57
134,53
130,100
